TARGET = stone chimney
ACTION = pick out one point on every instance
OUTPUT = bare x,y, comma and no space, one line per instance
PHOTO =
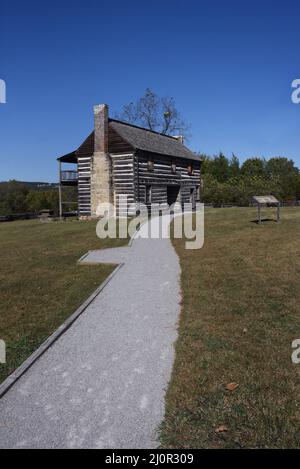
101,178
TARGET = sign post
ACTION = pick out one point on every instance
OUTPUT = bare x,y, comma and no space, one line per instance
266,200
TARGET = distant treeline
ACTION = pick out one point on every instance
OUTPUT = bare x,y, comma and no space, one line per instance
225,180
23,197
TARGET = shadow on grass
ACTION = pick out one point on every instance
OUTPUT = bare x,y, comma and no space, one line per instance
264,220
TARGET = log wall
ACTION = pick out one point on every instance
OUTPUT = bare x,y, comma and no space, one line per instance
132,176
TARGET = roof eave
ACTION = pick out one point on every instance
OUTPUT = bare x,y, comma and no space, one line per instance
68,158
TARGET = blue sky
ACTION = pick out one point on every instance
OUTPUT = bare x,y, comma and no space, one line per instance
229,66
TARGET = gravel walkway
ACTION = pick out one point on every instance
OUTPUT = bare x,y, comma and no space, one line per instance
102,384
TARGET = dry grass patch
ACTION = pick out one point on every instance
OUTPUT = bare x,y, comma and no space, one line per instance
40,282
240,313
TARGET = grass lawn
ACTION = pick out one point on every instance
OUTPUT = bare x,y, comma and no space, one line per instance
40,282
240,313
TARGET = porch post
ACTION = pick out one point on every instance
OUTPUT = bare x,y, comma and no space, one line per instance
59,191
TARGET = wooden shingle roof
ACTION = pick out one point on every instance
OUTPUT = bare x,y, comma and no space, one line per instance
138,138
148,140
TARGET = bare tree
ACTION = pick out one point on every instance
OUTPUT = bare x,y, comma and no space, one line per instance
129,113
155,113
148,110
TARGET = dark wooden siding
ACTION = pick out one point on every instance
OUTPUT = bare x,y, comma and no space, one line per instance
87,148
116,144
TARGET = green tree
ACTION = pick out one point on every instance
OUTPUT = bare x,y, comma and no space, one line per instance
206,163
288,173
281,166
39,200
12,197
219,167
234,166
254,167
225,182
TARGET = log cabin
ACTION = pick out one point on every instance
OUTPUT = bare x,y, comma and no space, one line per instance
118,159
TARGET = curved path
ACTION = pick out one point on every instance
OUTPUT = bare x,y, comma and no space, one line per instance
102,384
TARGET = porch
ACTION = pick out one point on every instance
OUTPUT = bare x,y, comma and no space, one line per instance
67,177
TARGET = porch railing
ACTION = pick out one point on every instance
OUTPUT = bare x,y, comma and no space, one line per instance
69,176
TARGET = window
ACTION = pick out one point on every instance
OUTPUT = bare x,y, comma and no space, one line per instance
150,165
173,168
190,169
148,194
